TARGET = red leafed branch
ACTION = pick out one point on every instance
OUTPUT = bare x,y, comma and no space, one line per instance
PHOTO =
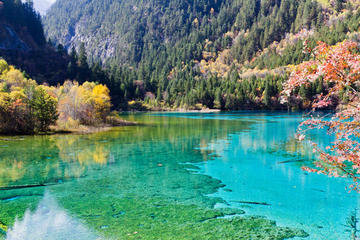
339,67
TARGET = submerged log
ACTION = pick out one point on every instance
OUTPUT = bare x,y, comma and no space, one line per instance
254,203
19,196
290,161
28,186
318,190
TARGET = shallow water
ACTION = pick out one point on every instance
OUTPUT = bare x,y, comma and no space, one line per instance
161,180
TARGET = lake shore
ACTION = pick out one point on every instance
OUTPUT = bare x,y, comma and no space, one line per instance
176,110
205,110
81,129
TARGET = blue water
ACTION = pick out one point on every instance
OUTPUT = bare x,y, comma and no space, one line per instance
253,165
105,183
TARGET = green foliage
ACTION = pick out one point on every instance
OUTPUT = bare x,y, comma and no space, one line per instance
44,109
273,20
25,107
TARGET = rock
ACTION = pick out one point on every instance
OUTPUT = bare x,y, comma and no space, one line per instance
9,40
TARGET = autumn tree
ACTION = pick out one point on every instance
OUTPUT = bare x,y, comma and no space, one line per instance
101,102
25,107
87,104
338,68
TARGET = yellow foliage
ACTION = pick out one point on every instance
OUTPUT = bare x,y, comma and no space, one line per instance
101,91
3,66
69,123
101,98
199,106
100,155
89,103
196,22
17,93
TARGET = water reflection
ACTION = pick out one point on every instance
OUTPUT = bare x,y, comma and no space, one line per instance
50,159
49,221
91,174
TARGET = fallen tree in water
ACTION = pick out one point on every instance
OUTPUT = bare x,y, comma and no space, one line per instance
28,186
253,203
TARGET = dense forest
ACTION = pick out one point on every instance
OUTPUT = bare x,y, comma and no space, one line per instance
196,54
183,53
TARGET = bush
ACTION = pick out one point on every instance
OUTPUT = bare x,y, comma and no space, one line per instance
25,107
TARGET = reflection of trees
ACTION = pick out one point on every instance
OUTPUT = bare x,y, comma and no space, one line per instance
137,161
43,159
271,135
11,172
184,132
84,151
300,149
18,156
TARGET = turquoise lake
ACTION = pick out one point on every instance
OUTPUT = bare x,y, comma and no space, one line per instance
175,176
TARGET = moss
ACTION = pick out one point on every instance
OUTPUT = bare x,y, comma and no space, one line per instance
10,210
155,218
231,211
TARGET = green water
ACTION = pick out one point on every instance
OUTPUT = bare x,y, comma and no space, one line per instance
136,182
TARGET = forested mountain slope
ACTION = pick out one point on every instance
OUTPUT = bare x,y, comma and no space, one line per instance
23,44
131,31
184,53
20,19
127,31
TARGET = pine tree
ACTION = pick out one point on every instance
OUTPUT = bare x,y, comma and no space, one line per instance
83,67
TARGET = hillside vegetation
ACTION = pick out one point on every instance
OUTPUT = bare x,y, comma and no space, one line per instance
23,43
141,43
195,54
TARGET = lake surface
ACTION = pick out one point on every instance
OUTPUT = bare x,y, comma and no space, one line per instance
177,176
